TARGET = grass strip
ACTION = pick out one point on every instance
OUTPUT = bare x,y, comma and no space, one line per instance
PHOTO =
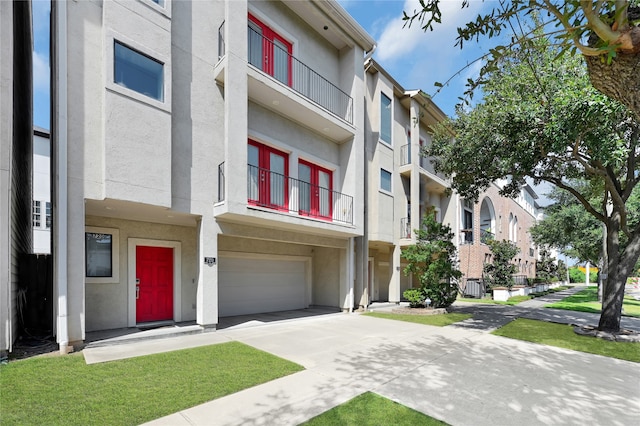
563,336
64,390
372,409
587,301
436,320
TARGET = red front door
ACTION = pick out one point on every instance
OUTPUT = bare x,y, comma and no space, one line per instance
154,283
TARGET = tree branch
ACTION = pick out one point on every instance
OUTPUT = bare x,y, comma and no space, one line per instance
580,197
599,27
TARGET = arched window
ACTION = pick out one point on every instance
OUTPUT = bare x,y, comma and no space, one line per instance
510,226
515,229
487,221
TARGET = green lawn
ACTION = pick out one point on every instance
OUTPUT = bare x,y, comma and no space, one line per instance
372,409
64,390
587,301
563,336
437,320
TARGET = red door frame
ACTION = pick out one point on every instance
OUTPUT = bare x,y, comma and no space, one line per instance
268,46
315,191
154,283
265,177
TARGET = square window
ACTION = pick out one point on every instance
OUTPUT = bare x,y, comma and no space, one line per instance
159,2
98,253
385,180
385,118
138,72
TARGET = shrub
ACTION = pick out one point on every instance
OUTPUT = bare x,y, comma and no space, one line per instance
415,296
432,260
500,272
576,275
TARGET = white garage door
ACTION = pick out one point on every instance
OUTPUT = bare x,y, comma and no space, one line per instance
253,285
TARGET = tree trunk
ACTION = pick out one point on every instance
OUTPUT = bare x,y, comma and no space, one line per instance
619,80
619,267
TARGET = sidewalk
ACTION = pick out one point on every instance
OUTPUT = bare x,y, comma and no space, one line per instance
461,376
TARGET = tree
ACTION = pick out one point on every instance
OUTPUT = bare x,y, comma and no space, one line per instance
499,273
568,227
606,33
541,119
546,268
432,259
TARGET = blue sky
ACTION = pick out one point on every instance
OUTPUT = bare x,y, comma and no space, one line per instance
41,9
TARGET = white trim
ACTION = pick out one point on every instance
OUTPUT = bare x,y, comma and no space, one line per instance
308,272
115,256
177,275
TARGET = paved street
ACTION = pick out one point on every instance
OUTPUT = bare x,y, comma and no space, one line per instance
460,374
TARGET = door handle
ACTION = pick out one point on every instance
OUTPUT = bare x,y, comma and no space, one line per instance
137,292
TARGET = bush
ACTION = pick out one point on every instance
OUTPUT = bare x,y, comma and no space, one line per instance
415,296
576,275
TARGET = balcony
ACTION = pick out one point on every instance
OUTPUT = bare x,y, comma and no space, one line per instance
405,154
288,195
486,236
272,59
405,228
466,236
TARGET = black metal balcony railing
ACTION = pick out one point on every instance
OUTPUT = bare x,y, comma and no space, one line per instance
405,227
405,154
467,236
267,56
221,43
279,192
221,182
486,236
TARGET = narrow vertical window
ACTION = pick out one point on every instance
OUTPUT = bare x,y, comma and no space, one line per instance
138,72
48,215
385,118
385,180
98,254
37,214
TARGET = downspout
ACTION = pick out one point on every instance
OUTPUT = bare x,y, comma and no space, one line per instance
59,172
370,54
351,275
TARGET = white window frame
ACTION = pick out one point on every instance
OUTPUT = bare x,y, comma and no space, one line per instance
115,256
36,214
113,37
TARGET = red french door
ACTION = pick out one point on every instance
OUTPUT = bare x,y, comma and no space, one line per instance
315,190
268,184
269,51
154,283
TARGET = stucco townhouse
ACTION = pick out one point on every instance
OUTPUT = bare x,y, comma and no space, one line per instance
209,160
402,185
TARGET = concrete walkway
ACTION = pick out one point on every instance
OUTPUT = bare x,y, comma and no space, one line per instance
460,374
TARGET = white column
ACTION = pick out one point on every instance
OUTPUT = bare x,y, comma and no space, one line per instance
394,283
207,289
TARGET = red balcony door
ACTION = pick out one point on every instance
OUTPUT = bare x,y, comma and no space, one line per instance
154,282
269,51
268,184
315,190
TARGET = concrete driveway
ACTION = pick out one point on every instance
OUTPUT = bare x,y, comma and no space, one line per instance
459,375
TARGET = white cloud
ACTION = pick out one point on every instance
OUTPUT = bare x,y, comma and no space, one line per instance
40,72
395,41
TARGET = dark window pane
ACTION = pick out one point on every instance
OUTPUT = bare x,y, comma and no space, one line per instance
138,72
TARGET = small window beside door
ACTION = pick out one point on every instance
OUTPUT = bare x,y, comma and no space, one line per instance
101,255
385,180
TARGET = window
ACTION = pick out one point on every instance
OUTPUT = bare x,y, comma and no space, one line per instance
37,214
159,2
385,180
48,215
315,190
138,72
98,254
268,171
269,52
467,221
102,255
385,118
